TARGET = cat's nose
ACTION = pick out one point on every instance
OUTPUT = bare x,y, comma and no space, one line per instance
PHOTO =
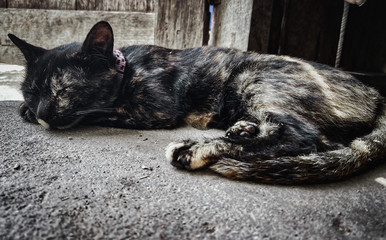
42,115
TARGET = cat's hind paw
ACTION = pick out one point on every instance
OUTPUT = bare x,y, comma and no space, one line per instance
242,129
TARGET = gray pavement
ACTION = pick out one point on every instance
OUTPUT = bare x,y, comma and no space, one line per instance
104,183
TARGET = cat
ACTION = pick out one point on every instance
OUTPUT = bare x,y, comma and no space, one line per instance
286,120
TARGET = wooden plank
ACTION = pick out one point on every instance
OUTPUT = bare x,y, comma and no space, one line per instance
99,5
275,28
116,5
50,28
11,55
3,3
141,5
43,4
364,47
260,26
181,24
311,29
232,23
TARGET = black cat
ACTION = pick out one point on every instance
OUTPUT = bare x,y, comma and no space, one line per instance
288,120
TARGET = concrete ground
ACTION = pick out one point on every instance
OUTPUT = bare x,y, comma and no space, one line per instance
104,183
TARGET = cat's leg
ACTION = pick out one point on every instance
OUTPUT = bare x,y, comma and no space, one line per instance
252,129
26,113
245,138
271,136
191,155
278,134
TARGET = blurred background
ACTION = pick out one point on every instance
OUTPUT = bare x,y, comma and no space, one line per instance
350,35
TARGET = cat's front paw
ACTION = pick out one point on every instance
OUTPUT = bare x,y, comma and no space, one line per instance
179,154
242,129
191,155
26,113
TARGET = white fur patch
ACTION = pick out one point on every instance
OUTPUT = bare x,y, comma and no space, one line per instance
360,145
267,128
381,180
43,123
171,148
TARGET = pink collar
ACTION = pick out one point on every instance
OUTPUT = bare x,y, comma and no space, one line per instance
120,63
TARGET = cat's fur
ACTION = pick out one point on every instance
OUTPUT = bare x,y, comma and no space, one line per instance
287,120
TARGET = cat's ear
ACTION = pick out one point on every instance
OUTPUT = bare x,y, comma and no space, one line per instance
100,39
30,52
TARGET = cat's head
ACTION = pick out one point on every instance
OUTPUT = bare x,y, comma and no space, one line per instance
67,83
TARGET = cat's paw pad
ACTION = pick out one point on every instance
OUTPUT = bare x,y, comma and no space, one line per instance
243,129
26,113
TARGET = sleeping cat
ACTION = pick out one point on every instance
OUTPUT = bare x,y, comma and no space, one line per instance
287,120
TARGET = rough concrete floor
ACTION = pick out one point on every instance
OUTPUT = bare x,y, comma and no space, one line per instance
104,183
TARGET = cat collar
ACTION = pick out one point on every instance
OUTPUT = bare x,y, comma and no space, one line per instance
120,63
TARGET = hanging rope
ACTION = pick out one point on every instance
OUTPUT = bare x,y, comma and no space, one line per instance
341,34
343,23
357,2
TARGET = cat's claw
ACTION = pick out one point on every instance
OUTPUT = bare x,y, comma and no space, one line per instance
243,129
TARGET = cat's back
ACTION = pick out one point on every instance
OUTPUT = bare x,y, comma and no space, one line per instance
320,93
276,81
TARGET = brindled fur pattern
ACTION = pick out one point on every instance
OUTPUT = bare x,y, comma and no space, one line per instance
287,120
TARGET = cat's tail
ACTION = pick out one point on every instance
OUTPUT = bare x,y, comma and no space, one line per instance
318,167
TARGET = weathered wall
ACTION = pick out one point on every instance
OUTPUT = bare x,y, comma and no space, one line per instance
42,4
116,5
304,28
50,28
231,25
49,23
182,24
98,5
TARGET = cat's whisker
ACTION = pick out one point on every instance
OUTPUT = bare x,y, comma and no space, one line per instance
93,111
76,121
